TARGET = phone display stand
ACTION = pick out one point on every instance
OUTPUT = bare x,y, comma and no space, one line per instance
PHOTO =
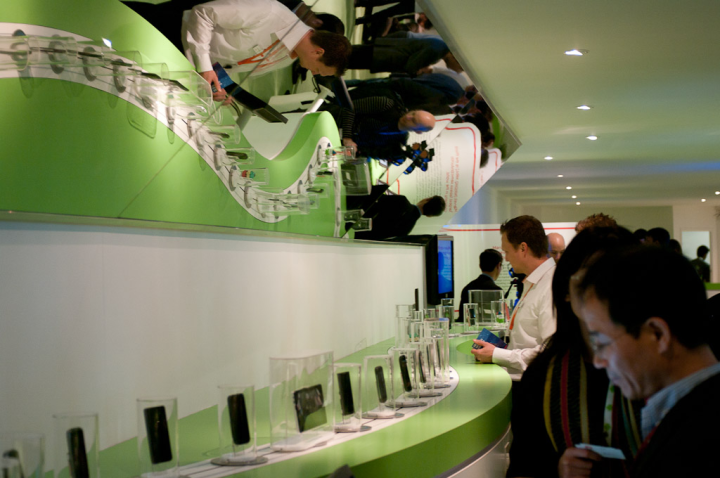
439,330
14,52
77,445
237,426
484,300
403,316
427,355
446,310
157,440
28,449
241,177
121,65
58,52
471,315
348,398
10,467
355,176
149,84
302,401
328,156
378,391
364,224
280,204
406,377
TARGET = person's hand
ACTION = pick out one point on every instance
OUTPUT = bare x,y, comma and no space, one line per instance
484,354
211,77
349,143
427,70
577,462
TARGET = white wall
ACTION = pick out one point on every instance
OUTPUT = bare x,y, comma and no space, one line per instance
93,318
700,218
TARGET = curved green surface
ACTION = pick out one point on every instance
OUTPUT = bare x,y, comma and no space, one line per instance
75,150
439,438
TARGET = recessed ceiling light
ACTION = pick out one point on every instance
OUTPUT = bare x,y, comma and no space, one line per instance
584,107
560,175
575,52
574,197
548,158
568,187
703,200
592,137
577,203
717,193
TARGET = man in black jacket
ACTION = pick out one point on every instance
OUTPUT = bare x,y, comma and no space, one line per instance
651,351
394,216
491,262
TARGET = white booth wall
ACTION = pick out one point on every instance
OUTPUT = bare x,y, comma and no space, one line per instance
91,318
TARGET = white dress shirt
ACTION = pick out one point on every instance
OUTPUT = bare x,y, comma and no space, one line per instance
534,322
241,33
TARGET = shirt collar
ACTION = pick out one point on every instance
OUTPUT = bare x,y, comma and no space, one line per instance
292,34
662,402
540,271
487,275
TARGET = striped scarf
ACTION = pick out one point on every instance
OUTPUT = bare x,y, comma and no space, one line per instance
565,408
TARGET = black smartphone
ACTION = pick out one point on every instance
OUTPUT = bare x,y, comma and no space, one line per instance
472,317
77,456
380,384
238,419
422,369
346,396
12,453
405,374
158,435
309,407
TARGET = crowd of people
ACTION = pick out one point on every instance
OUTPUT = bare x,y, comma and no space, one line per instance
608,347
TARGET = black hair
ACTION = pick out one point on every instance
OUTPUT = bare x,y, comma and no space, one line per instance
331,23
489,260
702,251
529,230
640,235
434,207
664,284
337,50
660,235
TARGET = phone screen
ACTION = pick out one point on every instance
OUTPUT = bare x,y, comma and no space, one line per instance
405,374
380,384
77,455
422,369
158,435
309,407
346,397
238,419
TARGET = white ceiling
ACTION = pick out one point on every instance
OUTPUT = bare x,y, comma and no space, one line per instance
652,75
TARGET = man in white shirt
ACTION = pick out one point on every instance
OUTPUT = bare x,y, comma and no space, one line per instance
533,321
240,34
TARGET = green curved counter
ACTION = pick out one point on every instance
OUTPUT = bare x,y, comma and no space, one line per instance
471,419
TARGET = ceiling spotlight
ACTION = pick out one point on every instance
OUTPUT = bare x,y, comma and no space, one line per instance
548,158
577,203
592,137
717,193
568,187
560,175
574,197
575,52
584,107
703,200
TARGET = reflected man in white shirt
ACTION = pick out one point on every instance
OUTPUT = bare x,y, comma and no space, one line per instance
533,321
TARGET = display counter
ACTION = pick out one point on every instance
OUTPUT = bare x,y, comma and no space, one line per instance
454,431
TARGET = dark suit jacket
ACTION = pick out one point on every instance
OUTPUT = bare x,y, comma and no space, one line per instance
483,282
686,442
392,216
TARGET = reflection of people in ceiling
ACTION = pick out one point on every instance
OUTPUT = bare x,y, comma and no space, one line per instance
242,34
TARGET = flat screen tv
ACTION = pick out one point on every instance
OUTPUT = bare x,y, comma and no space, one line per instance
439,269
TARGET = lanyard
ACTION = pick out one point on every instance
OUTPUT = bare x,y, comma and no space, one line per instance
517,307
258,57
